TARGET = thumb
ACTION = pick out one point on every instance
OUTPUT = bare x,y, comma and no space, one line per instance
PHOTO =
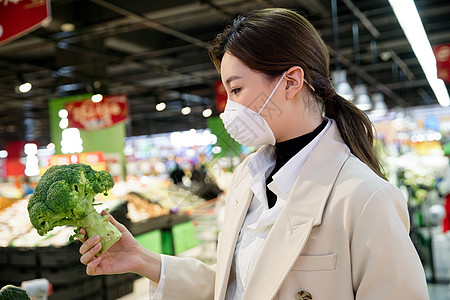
113,221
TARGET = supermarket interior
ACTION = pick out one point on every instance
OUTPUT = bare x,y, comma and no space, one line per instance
128,87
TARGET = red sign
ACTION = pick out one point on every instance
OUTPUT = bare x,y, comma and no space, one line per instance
221,96
442,53
18,17
88,115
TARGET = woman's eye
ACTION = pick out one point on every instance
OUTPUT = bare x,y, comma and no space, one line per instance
235,91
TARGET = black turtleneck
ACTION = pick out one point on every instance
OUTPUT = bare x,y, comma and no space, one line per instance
284,151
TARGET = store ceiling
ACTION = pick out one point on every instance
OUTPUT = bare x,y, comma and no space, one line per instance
156,51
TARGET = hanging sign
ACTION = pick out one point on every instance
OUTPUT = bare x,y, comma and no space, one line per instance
221,96
442,53
19,17
88,115
95,159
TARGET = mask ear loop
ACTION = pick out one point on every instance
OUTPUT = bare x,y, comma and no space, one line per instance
271,94
309,85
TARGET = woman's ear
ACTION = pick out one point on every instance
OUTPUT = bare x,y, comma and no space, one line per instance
294,77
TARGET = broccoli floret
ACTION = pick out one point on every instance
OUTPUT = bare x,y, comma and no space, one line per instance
64,195
10,292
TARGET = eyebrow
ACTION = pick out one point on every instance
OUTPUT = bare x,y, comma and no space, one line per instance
230,79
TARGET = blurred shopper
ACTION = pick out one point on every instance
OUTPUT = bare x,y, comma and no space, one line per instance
204,184
177,174
198,173
310,215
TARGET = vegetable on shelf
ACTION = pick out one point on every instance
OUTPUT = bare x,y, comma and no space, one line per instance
65,196
10,292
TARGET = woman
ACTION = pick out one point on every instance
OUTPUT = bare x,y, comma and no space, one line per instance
310,214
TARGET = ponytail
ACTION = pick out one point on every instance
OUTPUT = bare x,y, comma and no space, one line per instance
355,128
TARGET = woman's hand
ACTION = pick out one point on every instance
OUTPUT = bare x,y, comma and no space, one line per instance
126,255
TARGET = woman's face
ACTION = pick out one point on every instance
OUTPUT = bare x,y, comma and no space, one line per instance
285,112
251,89
244,85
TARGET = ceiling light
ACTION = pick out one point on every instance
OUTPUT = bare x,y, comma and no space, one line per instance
71,141
51,147
3,153
97,98
25,87
186,110
63,113
64,123
216,149
409,19
207,112
161,106
30,149
67,27
379,104
362,100
96,84
342,87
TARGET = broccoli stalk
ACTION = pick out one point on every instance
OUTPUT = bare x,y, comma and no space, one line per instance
65,196
96,224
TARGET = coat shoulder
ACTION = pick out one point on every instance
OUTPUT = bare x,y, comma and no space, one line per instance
358,183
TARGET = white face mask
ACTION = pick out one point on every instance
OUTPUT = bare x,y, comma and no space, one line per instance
246,126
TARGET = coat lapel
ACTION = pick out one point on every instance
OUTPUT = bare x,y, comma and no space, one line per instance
282,247
240,199
303,210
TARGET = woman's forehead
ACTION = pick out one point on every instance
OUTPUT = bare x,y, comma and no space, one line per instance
232,66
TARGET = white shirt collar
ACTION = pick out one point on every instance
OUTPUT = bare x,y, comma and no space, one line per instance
264,161
285,178
259,166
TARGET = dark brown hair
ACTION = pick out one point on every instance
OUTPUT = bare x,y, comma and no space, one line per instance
273,40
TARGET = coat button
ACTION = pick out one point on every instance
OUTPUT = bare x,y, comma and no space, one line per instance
304,295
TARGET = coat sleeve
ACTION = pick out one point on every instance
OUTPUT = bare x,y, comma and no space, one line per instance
188,279
385,264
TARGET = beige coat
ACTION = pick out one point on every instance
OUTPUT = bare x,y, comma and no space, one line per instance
343,235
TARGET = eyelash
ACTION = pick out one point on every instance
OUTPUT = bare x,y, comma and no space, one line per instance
235,91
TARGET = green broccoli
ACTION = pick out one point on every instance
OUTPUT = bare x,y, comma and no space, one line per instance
64,195
11,292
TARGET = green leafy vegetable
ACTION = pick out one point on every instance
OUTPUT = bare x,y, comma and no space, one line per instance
11,292
65,196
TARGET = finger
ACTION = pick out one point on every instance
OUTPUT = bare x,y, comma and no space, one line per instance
92,266
113,221
89,243
90,255
111,218
82,232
